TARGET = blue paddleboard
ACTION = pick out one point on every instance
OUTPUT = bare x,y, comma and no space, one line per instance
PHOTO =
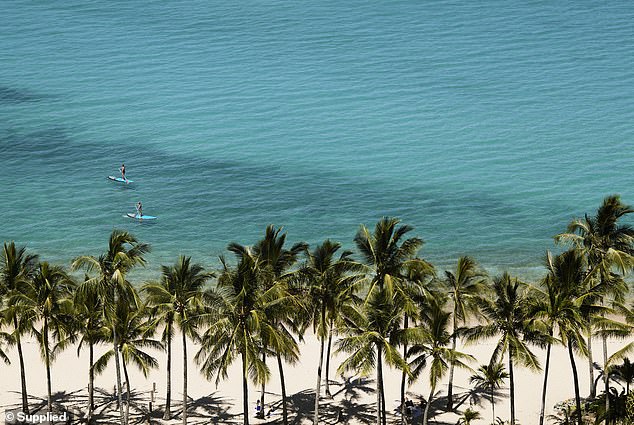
119,179
143,217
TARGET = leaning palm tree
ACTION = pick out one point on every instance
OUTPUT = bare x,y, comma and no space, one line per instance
507,317
463,286
431,346
490,377
134,330
373,331
235,322
176,299
110,283
278,260
331,280
47,299
559,304
16,269
607,245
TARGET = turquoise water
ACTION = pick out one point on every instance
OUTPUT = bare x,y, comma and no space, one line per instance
486,125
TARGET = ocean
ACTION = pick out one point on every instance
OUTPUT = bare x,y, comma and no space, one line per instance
486,125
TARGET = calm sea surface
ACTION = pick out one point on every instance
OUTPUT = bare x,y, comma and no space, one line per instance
487,125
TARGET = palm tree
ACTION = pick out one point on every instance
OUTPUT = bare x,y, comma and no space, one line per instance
110,283
236,322
278,260
560,304
331,281
16,269
175,300
507,316
133,328
606,245
624,372
431,346
490,377
90,325
468,416
390,257
464,285
373,329
47,299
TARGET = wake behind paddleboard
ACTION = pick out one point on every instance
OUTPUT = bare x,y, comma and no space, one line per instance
143,217
119,180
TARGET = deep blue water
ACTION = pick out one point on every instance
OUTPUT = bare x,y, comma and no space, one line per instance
486,125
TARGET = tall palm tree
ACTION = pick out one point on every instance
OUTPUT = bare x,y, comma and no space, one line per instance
47,299
124,252
507,317
607,245
134,330
390,258
373,329
464,285
176,299
89,324
236,321
16,269
431,347
278,260
331,281
490,377
559,305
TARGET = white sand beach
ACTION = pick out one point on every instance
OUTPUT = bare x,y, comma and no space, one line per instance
353,399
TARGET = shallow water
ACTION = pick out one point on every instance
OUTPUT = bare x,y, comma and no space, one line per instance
487,126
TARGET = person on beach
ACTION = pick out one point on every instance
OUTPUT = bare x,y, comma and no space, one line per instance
122,169
139,209
258,410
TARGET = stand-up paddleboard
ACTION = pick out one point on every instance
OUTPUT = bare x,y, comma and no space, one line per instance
141,217
119,180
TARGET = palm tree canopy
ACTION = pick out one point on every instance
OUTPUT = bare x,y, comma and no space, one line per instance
602,238
179,293
507,316
387,252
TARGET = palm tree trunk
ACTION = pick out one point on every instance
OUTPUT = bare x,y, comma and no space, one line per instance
451,366
379,386
245,389
591,367
118,370
184,378
321,361
47,361
263,384
606,375
512,387
284,409
25,403
492,406
91,382
168,397
404,375
426,413
541,412
127,386
576,383
327,389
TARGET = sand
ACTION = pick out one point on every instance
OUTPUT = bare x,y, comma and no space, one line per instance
353,399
